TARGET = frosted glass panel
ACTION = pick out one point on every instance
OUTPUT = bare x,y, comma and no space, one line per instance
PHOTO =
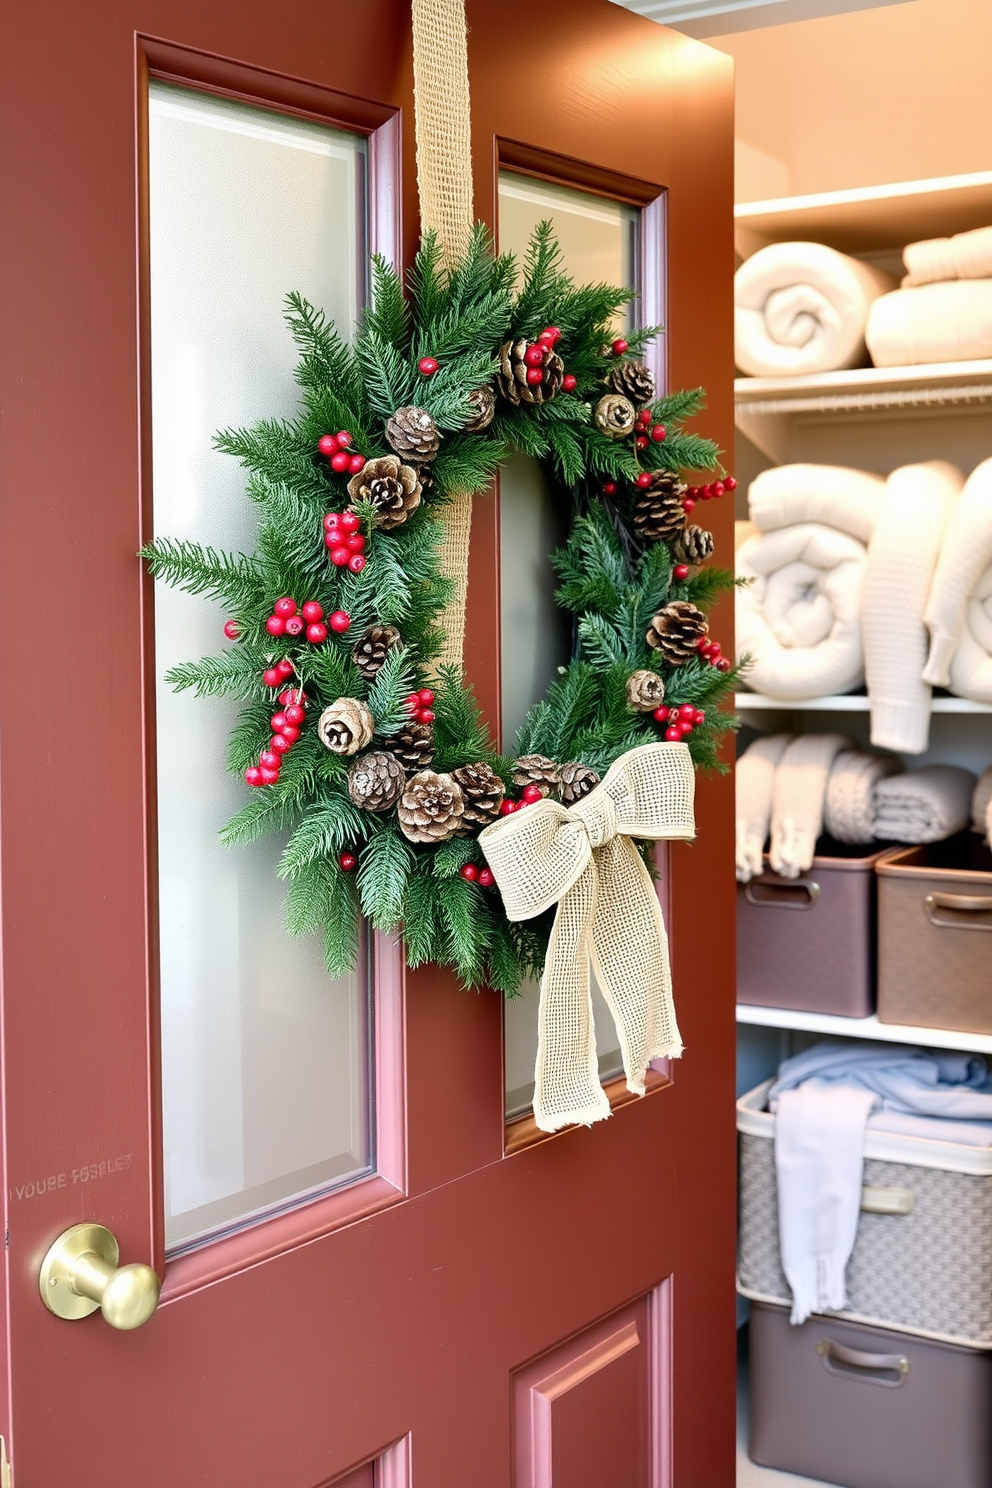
266,1088
598,239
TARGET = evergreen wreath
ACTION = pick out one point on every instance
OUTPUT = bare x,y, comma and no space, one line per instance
376,763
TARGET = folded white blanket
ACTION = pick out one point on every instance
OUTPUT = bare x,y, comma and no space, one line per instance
967,255
831,495
753,782
798,793
902,556
959,609
924,805
849,806
946,322
981,806
802,308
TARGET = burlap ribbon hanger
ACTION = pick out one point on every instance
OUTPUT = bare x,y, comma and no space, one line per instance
582,859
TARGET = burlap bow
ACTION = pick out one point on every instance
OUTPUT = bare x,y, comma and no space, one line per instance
582,859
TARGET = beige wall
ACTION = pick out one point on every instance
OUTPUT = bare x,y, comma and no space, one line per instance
895,94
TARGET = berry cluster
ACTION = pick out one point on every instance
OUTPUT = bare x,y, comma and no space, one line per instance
711,651
681,721
286,726
646,431
289,619
336,447
418,705
528,796
482,876
344,541
538,353
708,493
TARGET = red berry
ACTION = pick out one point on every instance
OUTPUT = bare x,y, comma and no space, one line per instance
658,433
287,696
275,625
286,667
339,621
698,717
316,633
312,611
268,760
619,346
717,488
673,733
340,555
279,744
295,625
723,665
486,879
343,438
569,382
332,520
644,417
253,775
685,727
534,356
713,649
232,629
350,522
553,332
508,808
706,492
331,541
730,484
703,644
356,562
355,542
412,701
547,338
660,715
427,366
285,607
425,696
643,480
327,444
272,676
295,715
425,715
642,441
532,793
680,571
693,492
347,862
357,464
341,462
290,734
269,777
609,488
687,710
535,375
469,873
688,504
278,722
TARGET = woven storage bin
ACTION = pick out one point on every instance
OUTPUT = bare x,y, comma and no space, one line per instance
935,935
809,942
928,1271
867,1407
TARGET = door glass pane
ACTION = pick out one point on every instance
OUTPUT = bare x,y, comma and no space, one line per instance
265,1060
598,238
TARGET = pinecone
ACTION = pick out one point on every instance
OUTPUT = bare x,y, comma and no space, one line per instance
645,691
536,769
483,791
633,380
376,781
413,746
577,780
694,546
676,630
374,645
413,434
483,401
430,808
392,488
658,511
615,416
346,726
512,379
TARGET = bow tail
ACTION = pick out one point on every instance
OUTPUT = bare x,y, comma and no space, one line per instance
630,954
567,1091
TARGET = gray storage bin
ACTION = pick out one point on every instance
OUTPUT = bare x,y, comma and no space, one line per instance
865,1407
809,943
922,1258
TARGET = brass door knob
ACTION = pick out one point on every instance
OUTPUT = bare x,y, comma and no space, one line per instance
80,1274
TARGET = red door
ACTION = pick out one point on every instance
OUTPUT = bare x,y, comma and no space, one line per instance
481,1305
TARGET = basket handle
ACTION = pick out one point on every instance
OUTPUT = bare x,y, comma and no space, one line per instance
799,893
874,1369
961,911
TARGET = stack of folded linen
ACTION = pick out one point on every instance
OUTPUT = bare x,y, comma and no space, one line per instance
943,312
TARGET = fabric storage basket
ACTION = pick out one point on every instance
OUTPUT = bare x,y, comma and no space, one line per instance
867,1407
809,942
935,935
922,1259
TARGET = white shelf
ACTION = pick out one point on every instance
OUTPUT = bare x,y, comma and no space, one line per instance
851,702
867,389
868,1028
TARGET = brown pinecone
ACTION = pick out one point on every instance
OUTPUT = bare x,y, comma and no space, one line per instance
346,726
483,401
615,416
371,650
413,746
511,378
536,769
577,780
658,511
676,630
413,434
430,808
392,488
693,546
376,781
645,691
483,791
633,380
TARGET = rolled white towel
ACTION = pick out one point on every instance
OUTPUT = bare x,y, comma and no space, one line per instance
849,806
924,805
798,794
802,308
831,495
902,556
754,779
981,806
966,255
946,322
959,609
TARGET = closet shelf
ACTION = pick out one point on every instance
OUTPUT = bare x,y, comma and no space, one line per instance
851,702
867,1028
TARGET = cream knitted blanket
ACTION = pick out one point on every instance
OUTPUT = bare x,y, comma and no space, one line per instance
924,805
959,610
754,780
981,806
849,807
947,322
967,255
798,795
901,559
